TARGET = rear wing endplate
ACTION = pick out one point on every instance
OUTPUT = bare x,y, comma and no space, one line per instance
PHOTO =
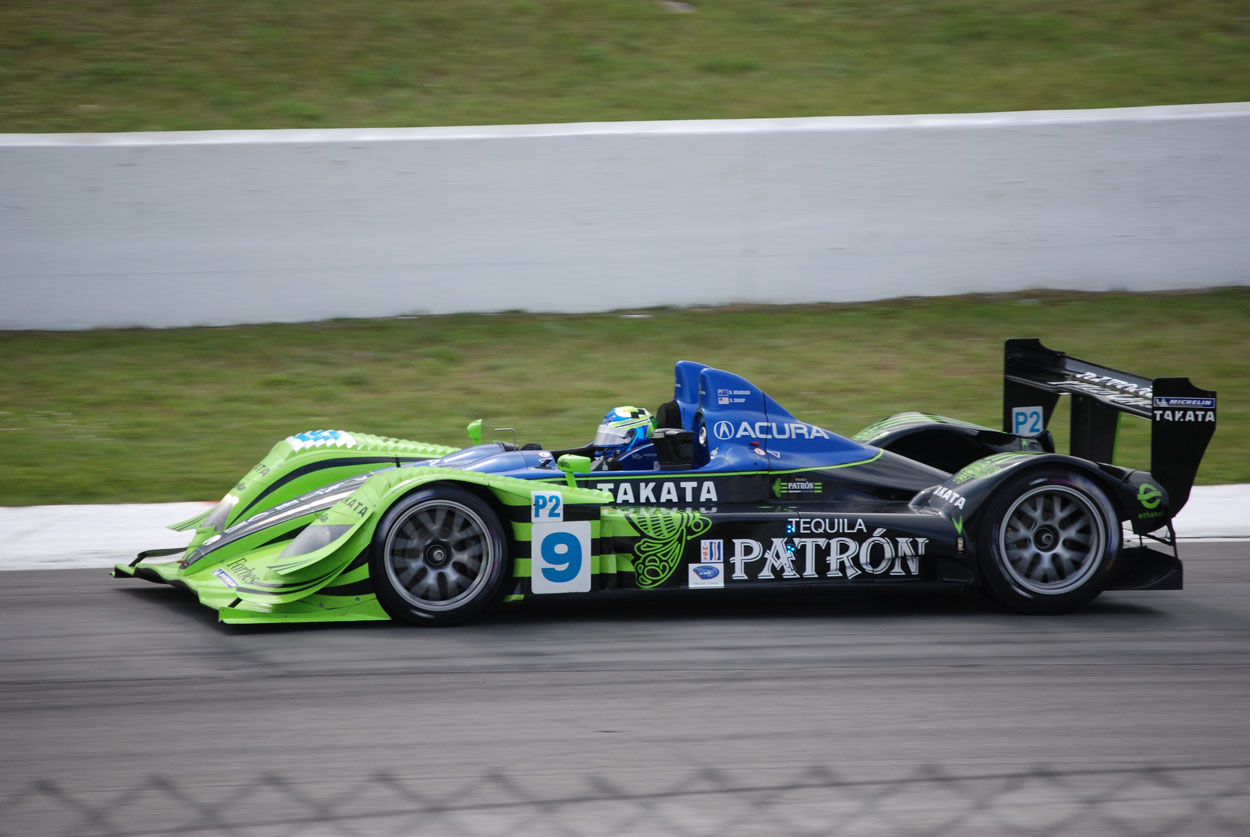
1182,416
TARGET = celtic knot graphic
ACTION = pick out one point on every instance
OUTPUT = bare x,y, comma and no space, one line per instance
665,534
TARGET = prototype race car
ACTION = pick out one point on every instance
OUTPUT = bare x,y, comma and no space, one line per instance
724,489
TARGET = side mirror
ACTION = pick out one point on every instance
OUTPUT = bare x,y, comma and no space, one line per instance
572,464
475,431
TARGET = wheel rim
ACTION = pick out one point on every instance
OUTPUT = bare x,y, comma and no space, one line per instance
439,555
1051,540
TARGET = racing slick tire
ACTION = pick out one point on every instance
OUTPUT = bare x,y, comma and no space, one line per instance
1047,542
439,557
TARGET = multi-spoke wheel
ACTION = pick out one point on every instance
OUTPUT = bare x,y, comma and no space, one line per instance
438,557
1047,542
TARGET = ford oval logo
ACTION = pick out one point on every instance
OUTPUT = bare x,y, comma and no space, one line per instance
706,573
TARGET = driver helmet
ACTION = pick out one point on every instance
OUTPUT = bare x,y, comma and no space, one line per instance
622,429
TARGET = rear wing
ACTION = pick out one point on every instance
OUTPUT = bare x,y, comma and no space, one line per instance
1181,416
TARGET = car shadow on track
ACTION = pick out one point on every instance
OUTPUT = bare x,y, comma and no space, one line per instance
624,608
172,600
782,605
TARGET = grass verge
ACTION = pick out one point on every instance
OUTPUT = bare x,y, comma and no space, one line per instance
148,415
143,65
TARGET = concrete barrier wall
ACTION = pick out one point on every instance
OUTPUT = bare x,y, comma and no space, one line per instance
232,227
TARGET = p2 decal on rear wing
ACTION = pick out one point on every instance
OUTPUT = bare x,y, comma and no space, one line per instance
1181,415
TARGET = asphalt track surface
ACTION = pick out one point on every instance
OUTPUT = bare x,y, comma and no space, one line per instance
128,710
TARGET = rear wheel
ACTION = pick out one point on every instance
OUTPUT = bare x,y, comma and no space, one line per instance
1047,542
438,557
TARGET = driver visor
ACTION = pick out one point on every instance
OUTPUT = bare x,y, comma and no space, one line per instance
608,436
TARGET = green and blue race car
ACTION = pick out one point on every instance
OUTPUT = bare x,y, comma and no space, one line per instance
721,489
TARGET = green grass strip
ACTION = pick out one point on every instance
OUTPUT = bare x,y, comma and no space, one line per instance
137,65
157,415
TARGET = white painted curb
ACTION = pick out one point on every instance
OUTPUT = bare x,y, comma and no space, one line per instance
67,537
70,537
1213,511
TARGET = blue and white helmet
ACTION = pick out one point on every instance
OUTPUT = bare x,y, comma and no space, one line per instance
622,429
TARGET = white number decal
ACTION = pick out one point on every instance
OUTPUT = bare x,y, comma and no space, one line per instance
560,558
546,505
1026,421
559,549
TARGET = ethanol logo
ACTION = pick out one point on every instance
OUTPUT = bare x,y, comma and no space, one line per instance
1149,496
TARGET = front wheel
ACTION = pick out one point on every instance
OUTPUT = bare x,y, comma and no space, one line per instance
1047,542
438,557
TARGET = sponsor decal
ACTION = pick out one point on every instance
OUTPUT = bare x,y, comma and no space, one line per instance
954,498
1149,496
796,485
726,430
840,557
354,505
1184,409
665,534
1171,403
1108,389
239,570
1113,383
321,439
225,578
824,526
643,492
703,576
712,552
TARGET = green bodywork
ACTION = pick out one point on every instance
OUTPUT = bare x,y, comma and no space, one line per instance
311,564
879,430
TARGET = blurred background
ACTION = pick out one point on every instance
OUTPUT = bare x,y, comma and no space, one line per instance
176,413
141,65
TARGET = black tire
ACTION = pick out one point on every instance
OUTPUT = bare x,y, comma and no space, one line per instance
1047,542
439,557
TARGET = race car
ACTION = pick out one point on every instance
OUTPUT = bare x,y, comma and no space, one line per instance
721,489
